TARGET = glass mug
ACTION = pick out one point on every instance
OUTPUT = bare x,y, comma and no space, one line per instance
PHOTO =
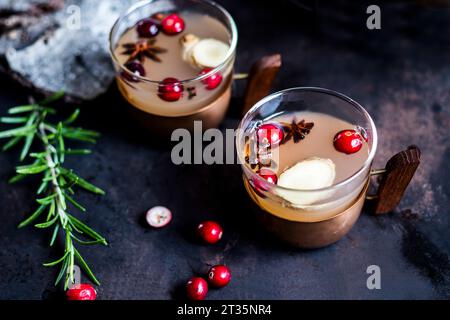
328,219
143,92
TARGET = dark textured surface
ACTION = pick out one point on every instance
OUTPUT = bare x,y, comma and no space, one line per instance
401,74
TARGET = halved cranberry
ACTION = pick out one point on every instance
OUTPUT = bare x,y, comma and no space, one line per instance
347,141
147,28
172,24
170,89
219,276
158,216
270,133
81,292
196,288
213,80
136,68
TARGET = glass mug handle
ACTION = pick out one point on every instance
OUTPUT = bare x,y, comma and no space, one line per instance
375,172
259,79
240,76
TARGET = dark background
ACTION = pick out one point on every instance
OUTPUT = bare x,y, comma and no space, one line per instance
400,73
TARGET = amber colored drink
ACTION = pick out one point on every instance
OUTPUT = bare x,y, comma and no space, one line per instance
172,78
306,155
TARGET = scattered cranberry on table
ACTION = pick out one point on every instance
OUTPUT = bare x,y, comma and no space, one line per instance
170,89
347,141
81,292
213,81
172,24
147,28
196,288
270,133
219,276
210,231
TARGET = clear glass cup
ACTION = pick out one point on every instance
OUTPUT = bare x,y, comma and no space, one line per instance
339,205
143,93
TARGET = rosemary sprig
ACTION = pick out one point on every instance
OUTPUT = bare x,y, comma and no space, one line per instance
57,185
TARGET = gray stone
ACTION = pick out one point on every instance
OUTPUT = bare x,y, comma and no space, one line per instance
49,52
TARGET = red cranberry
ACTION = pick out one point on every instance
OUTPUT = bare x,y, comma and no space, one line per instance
219,276
147,28
348,141
270,133
81,292
210,231
197,288
170,89
213,80
268,175
260,186
136,68
172,24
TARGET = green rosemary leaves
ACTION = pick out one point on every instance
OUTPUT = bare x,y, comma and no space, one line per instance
57,188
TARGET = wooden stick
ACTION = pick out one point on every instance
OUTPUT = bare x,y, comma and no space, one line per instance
262,74
399,171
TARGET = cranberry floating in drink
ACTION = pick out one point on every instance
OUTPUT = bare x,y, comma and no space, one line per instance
147,28
270,133
348,141
134,70
213,80
268,175
170,89
185,54
172,24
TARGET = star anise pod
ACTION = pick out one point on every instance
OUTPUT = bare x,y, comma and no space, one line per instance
297,130
192,92
143,49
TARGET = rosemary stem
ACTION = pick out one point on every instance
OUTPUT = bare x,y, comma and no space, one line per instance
51,165
33,127
60,207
